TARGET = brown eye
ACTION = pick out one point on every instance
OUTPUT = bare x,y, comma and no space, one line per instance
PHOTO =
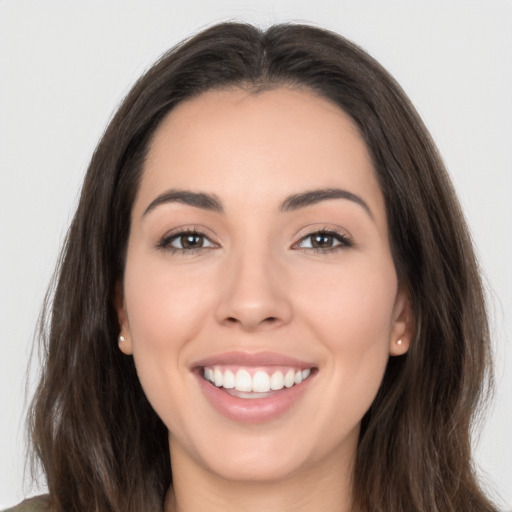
189,241
324,241
186,241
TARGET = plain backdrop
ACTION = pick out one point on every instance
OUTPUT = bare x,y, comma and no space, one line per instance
65,66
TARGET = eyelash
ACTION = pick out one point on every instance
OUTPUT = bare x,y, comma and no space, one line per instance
344,242
167,240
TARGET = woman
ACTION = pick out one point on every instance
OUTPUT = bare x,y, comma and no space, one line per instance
268,296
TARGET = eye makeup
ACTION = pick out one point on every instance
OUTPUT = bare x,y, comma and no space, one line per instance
323,241
192,240
186,241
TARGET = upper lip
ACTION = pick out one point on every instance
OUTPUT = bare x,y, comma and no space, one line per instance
242,358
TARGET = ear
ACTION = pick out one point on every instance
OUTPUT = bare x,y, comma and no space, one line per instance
403,322
124,340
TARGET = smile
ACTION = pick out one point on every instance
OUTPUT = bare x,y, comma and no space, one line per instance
254,388
254,382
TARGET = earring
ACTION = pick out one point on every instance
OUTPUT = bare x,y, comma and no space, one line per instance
399,342
121,338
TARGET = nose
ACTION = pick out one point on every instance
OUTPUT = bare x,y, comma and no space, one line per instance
253,293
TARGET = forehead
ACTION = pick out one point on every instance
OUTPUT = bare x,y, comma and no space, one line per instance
265,144
283,116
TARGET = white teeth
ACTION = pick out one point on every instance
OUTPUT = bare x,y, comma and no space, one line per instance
217,374
277,381
261,382
289,378
243,381
252,395
229,380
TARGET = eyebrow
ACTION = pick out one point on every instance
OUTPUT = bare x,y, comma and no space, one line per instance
293,202
308,198
197,199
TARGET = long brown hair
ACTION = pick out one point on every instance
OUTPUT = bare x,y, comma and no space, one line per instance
101,445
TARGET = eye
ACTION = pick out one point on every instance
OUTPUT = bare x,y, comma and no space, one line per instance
324,241
185,242
189,241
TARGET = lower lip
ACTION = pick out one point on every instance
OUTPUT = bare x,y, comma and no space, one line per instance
253,410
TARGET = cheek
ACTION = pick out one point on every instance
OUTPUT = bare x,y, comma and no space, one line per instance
355,300
351,313
163,308
165,312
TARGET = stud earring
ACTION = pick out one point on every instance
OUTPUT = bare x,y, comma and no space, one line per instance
399,342
121,338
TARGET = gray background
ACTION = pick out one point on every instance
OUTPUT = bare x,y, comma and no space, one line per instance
64,68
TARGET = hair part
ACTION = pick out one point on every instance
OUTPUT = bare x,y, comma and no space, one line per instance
101,445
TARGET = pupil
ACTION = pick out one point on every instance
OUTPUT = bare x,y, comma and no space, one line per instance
191,241
322,241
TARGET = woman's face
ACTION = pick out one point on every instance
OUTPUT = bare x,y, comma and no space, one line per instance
259,256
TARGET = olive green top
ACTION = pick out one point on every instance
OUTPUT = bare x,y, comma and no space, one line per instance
35,504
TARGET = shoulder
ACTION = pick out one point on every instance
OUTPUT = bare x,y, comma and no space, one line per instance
36,504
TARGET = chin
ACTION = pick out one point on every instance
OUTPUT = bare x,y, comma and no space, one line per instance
259,468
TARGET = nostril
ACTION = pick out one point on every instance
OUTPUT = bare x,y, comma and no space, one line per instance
268,320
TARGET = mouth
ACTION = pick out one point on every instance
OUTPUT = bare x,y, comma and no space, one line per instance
254,388
251,383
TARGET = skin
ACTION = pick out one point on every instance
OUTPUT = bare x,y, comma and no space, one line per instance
257,285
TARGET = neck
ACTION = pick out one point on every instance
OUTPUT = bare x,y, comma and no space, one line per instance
323,487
